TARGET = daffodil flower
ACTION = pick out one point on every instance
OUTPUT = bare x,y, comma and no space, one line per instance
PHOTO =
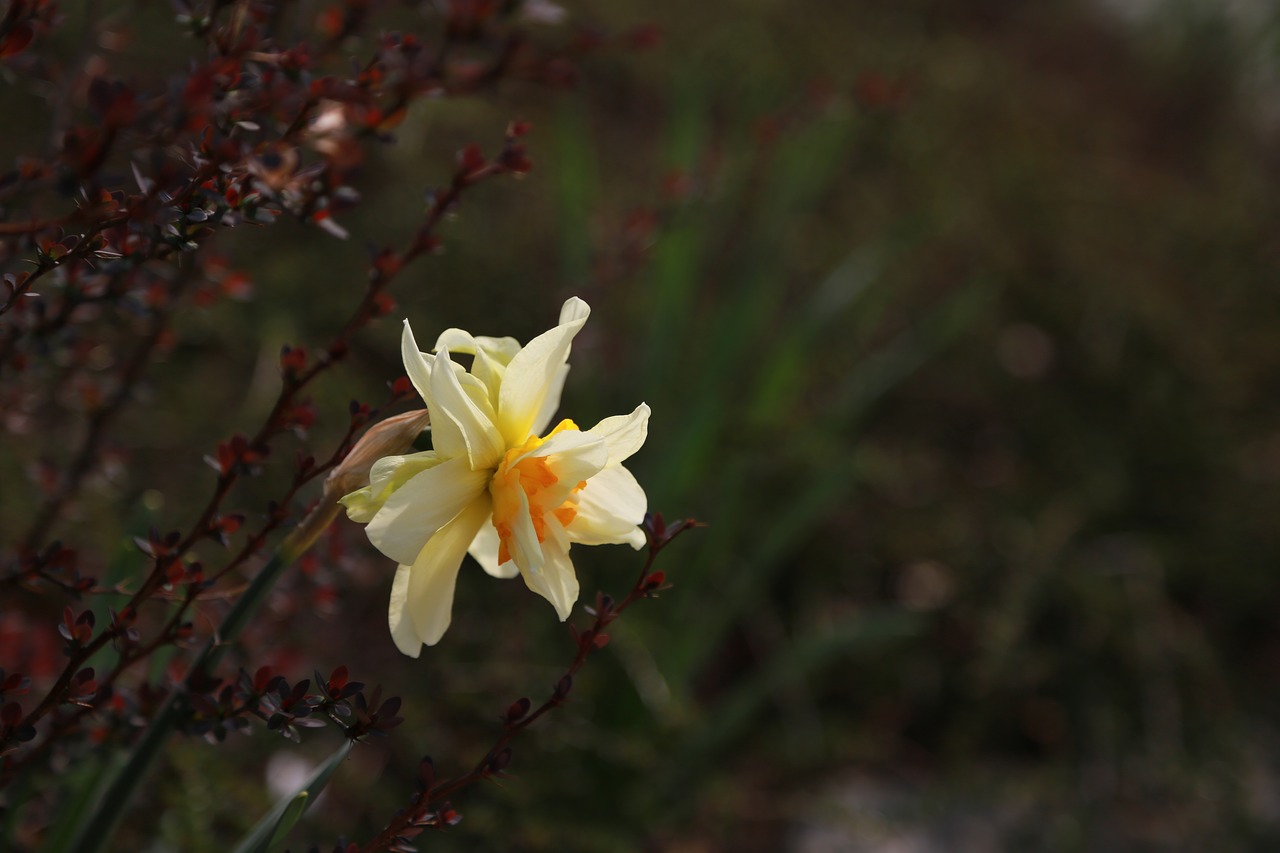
496,484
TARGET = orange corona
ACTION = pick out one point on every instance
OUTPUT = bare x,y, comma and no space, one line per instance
534,476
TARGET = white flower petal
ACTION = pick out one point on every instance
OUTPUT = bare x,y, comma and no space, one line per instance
475,433
551,402
386,475
484,549
416,364
456,340
485,400
394,470
492,355
403,632
526,550
557,582
624,434
532,374
573,457
586,449
574,309
424,504
609,510
501,350
429,598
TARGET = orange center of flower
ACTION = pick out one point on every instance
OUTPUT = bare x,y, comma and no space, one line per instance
534,477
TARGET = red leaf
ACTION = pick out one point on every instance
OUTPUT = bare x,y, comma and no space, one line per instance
17,40
471,159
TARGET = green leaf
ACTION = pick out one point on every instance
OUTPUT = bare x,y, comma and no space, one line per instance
269,834
83,781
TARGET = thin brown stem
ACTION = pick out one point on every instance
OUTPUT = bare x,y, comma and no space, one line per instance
421,808
87,456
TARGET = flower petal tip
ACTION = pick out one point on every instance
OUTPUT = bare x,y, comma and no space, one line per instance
574,309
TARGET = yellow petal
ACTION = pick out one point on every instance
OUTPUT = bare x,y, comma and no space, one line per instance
550,403
532,374
623,434
424,504
484,549
556,581
385,476
492,355
429,597
572,456
610,507
500,350
403,633
526,550
573,309
416,364
459,426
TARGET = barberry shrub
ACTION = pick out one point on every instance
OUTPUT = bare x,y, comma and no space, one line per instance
141,149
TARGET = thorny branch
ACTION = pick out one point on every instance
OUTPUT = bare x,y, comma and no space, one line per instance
386,267
429,808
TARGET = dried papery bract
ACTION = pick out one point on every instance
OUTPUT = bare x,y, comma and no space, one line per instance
390,437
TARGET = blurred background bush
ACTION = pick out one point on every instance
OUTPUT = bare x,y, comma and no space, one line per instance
958,321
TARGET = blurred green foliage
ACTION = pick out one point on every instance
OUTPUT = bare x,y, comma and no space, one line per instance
958,326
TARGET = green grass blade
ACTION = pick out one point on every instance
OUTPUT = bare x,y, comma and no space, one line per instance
79,789
270,832
118,787
576,190
889,366
806,656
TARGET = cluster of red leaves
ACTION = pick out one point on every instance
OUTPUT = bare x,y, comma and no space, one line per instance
219,707
252,129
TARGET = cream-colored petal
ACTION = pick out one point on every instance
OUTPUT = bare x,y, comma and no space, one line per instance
501,350
484,549
386,475
624,434
491,357
574,309
573,457
480,394
391,472
416,364
403,632
526,550
456,340
424,504
361,505
582,448
532,374
475,430
429,598
550,403
609,509
557,582
489,373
